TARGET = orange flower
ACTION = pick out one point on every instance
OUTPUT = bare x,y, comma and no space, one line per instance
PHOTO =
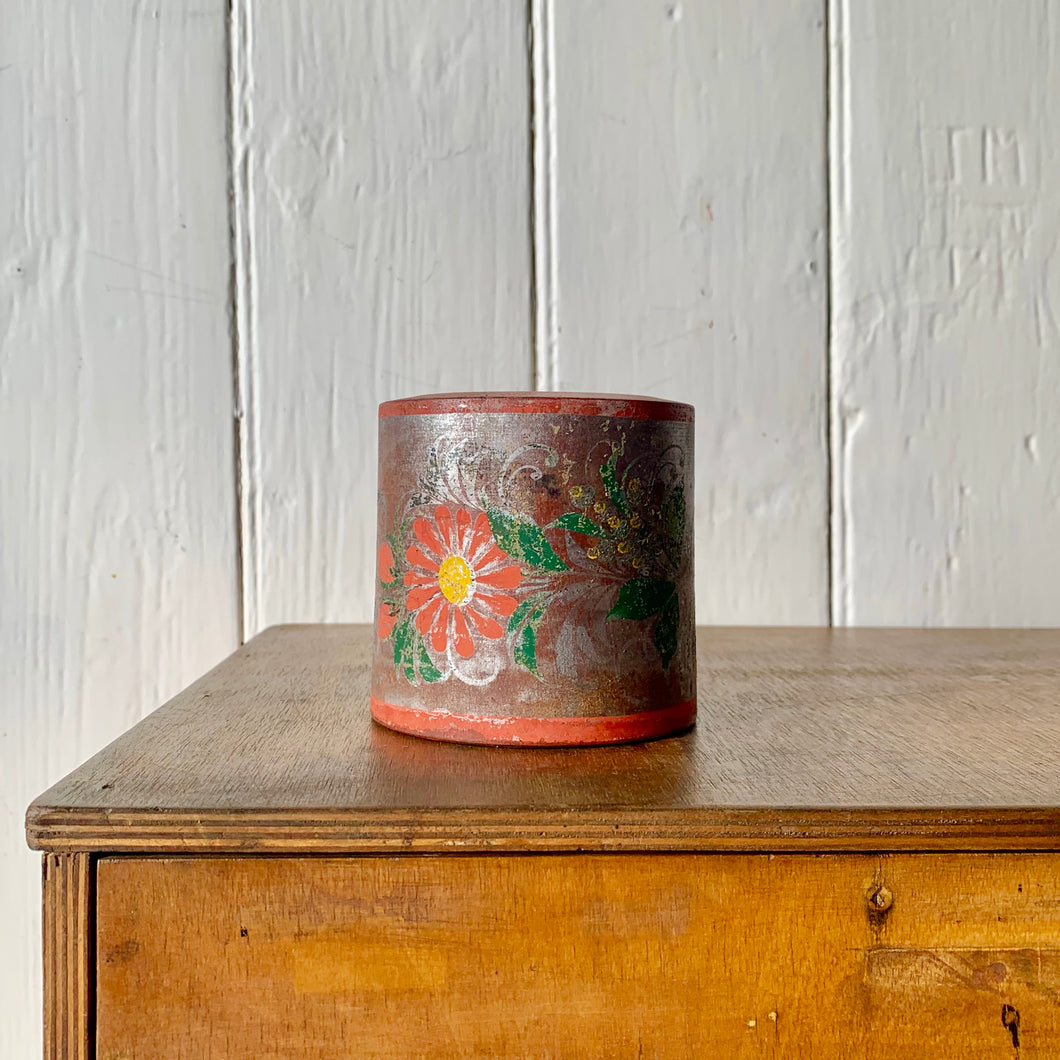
385,562
386,622
457,574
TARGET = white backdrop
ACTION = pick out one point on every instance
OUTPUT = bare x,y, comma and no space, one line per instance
229,229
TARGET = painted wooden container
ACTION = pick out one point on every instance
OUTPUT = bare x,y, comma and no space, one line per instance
534,581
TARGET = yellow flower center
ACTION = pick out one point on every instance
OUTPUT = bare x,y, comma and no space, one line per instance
454,579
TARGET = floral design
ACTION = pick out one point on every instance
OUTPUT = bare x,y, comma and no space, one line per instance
482,574
458,574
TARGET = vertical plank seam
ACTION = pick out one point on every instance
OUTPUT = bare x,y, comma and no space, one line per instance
243,287
837,118
531,169
543,226
70,920
85,952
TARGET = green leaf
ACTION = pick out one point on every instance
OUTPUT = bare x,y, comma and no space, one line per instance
532,609
641,598
580,524
520,614
404,645
528,615
610,480
428,671
525,651
665,636
673,517
523,541
410,655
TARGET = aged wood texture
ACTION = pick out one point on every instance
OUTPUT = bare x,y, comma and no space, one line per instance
68,953
690,262
946,332
581,956
807,739
117,546
383,180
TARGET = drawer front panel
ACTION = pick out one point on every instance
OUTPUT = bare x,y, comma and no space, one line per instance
682,955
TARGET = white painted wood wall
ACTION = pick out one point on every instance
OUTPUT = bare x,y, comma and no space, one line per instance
228,230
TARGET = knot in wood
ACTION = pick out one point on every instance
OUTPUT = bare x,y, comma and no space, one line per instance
880,899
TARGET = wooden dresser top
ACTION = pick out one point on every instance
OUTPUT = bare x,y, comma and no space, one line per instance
808,739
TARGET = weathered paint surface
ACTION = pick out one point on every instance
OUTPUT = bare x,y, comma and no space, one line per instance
946,294
665,225
690,255
534,563
117,512
387,172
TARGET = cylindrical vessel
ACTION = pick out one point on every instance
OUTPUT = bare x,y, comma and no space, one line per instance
534,580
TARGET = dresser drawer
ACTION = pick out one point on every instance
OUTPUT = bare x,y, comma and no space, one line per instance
257,871
594,955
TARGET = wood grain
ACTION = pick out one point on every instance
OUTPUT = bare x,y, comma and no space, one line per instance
68,955
807,739
118,545
946,314
690,260
581,956
386,161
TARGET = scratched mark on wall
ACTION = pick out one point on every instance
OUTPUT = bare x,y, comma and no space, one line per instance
986,242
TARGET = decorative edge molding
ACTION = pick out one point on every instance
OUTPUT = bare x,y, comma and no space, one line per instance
764,830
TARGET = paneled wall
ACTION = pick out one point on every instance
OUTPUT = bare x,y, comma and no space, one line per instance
945,357
118,514
228,230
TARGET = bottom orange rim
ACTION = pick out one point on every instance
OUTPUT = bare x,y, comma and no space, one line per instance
534,732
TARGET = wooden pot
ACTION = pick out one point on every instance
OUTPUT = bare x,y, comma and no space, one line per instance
534,581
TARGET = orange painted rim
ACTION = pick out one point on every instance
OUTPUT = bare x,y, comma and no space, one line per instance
542,403
534,732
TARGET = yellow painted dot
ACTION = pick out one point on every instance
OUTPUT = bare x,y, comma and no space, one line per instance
614,522
599,506
634,484
454,579
637,562
623,547
576,492
593,553
634,521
